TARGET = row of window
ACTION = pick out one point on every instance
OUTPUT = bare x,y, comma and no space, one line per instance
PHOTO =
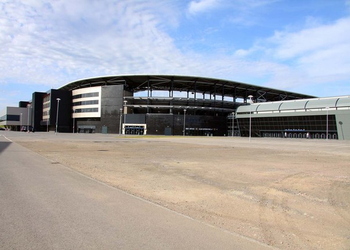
92,94
47,98
301,135
15,118
92,102
85,103
46,113
87,110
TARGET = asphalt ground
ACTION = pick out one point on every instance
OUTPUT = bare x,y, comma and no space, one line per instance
46,205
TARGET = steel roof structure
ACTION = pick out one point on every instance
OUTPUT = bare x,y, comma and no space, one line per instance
295,105
194,84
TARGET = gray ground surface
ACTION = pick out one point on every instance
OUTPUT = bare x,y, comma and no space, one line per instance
49,206
287,193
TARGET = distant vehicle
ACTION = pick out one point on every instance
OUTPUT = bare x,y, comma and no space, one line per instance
1,128
27,129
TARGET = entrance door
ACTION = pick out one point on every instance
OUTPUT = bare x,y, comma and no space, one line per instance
134,129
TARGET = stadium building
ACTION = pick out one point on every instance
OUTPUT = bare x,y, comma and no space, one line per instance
181,105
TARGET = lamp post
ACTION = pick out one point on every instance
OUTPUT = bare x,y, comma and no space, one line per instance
125,111
233,123
250,116
120,120
341,126
28,107
58,108
327,124
184,128
20,128
48,120
73,121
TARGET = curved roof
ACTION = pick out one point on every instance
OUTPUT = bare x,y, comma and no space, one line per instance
343,102
269,106
136,83
297,104
315,103
248,108
322,103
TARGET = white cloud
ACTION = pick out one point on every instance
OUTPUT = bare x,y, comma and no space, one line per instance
198,6
319,53
306,41
247,12
54,42
309,57
48,43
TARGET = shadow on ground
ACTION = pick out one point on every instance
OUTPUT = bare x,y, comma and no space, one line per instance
4,145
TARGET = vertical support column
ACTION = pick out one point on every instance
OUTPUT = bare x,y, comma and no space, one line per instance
223,95
171,95
195,91
195,96
234,95
148,95
215,94
125,112
184,124
172,87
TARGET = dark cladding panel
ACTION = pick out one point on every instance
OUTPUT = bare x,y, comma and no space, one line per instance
65,123
157,123
111,103
37,110
23,104
135,118
89,126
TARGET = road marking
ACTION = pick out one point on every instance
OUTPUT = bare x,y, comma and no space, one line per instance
7,138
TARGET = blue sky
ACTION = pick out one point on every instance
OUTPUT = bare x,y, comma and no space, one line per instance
297,45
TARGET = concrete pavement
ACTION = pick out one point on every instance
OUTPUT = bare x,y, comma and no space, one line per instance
45,205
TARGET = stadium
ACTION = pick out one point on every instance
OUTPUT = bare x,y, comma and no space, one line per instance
180,105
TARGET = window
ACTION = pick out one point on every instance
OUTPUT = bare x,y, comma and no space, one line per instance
93,94
15,118
85,103
89,110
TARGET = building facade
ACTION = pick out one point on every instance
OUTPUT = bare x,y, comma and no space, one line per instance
16,118
160,104
184,105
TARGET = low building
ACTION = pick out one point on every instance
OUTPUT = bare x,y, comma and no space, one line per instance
317,118
16,118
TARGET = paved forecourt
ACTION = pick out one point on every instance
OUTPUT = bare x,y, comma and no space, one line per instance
45,205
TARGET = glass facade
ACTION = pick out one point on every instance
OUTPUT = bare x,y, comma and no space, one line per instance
10,118
314,127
